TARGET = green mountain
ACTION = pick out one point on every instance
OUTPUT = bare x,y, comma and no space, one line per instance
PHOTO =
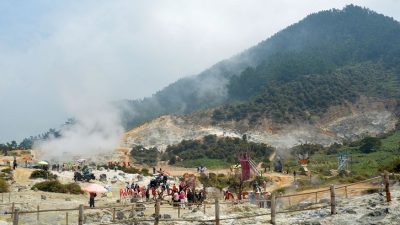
326,59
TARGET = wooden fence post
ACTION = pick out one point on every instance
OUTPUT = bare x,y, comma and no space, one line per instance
37,214
217,211
16,217
273,208
12,210
386,181
113,215
80,217
204,210
345,189
290,204
133,210
2,196
157,213
316,197
179,210
66,218
333,200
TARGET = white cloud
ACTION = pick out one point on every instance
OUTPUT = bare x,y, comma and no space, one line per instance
109,50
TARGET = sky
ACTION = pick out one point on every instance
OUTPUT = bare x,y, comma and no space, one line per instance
58,58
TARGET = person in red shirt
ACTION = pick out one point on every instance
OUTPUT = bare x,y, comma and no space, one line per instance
154,193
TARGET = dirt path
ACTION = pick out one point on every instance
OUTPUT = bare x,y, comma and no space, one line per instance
179,171
21,176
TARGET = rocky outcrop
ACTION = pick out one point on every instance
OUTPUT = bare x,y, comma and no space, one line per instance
349,121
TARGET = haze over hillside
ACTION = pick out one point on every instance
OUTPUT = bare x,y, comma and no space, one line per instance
331,76
305,83
325,59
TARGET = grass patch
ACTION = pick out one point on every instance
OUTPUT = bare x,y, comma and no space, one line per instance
6,170
280,191
57,187
209,163
130,170
392,142
145,172
361,165
134,170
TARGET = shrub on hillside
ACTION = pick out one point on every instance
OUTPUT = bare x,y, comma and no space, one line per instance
4,187
172,160
43,174
394,166
143,155
370,144
57,187
219,181
6,170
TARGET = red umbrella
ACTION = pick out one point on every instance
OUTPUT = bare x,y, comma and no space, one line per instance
94,188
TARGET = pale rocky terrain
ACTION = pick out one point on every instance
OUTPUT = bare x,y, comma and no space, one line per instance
365,209
368,116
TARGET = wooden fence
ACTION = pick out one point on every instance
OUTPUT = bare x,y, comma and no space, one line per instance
16,213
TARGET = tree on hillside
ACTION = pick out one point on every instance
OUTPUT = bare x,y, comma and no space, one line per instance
12,146
370,144
223,148
144,155
172,160
27,143
4,148
237,184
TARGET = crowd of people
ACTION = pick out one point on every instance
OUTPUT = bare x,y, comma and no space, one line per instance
182,195
186,197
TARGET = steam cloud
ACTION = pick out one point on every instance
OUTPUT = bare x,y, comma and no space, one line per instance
97,129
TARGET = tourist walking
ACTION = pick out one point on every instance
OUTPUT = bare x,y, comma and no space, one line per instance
14,164
190,198
92,195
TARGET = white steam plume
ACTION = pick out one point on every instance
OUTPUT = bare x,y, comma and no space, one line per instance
97,129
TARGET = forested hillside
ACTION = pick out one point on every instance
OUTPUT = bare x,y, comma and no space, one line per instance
325,59
310,96
340,55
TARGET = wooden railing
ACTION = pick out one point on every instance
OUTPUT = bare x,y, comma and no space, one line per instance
15,212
